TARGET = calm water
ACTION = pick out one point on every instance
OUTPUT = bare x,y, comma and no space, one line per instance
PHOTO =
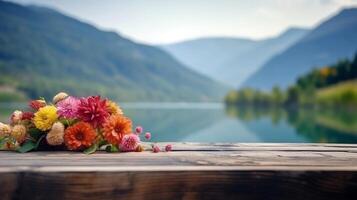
215,123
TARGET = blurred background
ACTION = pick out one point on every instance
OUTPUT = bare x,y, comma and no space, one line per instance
203,70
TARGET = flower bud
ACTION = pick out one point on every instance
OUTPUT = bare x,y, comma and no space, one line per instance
148,136
59,97
168,147
155,149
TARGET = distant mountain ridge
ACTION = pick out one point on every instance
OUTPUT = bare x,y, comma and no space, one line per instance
334,39
231,60
43,51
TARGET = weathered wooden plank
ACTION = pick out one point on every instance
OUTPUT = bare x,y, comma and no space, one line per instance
189,154
264,147
219,158
191,171
182,185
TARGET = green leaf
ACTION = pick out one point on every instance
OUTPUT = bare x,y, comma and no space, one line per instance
27,146
91,149
102,143
39,140
68,122
43,99
111,148
35,133
30,145
3,141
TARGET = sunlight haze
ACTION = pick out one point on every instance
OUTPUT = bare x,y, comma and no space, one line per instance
162,21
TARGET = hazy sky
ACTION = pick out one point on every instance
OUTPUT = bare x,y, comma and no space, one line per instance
164,21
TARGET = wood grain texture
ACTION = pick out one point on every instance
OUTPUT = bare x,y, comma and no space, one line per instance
191,171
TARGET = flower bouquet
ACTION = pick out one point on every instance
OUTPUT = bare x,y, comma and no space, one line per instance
70,123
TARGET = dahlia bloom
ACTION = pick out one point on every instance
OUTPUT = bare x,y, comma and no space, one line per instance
59,97
16,117
19,132
45,117
113,108
68,107
93,110
5,129
56,134
79,136
37,104
129,143
115,128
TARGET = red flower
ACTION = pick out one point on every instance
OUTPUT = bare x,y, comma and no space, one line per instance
93,110
37,104
27,115
79,136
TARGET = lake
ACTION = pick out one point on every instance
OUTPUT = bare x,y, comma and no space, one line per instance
213,122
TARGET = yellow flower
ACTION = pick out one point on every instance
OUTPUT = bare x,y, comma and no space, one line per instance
19,132
45,117
113,108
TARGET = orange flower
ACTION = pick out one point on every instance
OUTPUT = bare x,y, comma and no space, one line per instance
79,136
115,128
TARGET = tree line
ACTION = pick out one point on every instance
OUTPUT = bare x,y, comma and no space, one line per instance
309,89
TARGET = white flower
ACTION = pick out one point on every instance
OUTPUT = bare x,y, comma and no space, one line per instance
59,97
16,117
55,136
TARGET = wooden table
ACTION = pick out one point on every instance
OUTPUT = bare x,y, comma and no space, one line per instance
191,171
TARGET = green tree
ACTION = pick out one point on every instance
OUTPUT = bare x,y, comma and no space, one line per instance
277,95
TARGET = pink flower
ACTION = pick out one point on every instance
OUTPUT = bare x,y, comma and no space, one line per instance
148,136
93,110
168,147
129,143
155,149
68,107
139,129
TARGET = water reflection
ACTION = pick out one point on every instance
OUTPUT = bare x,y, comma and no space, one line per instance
215,123
314,125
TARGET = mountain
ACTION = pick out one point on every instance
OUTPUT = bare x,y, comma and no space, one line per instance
333,39
231,60
207,54
43,51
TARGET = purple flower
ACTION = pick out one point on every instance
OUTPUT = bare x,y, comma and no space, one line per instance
129,143
68,107
139,129
168,147
155,149
148,136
